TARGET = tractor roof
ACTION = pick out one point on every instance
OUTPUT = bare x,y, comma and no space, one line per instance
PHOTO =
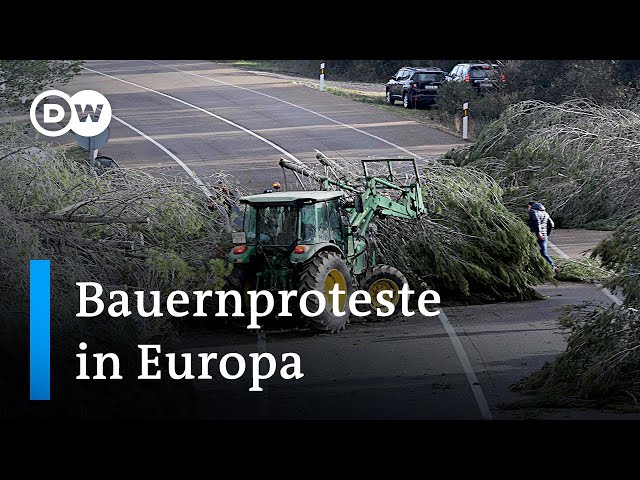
291,198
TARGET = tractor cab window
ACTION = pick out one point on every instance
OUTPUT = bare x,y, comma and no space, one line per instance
275,225
314,223
335,222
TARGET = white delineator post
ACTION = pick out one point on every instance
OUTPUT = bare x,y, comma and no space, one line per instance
322,77
465,120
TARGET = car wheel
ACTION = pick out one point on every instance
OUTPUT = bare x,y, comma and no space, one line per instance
389,99
406,100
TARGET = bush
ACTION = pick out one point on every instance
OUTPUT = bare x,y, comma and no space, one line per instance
483,109
555,81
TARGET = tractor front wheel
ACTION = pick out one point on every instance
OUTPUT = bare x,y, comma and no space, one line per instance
379,278
321,273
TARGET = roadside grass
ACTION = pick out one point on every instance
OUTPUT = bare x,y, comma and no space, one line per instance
357,95
263,66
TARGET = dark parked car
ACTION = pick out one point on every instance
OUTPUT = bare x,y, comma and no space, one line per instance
481,76
414,86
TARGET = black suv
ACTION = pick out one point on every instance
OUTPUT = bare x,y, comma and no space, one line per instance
481,76
414,85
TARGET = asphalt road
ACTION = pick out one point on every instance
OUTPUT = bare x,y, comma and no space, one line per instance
208,144
457,366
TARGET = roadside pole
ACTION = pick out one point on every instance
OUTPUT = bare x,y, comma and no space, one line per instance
92,157
322,77
465,121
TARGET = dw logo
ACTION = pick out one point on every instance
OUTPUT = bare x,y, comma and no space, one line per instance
85,123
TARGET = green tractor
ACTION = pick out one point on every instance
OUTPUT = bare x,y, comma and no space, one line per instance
312,240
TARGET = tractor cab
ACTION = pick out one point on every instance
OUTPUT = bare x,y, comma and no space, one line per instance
294,225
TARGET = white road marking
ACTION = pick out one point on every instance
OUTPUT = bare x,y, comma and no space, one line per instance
605,290
610,294
233,124
190,172
476,388
295,106
451,332
557,249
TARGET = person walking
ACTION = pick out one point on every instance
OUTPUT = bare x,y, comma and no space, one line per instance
541,225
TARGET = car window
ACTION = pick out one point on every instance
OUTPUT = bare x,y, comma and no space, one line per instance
455,71
483,71
398,75
403,75
428,77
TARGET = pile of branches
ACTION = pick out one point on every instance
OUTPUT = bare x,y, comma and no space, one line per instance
122,228
580,159
621,254
600,366
119,227
467,246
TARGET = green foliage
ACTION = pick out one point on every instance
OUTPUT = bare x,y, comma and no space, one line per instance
483,108
23,79
585,270
621,253
600,366
602,81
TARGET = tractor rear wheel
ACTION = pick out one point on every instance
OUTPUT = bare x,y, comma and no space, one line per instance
321,273
379,278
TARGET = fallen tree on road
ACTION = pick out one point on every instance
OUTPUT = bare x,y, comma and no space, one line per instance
467,246
122,228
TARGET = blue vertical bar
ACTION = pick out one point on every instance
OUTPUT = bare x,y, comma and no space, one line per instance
40,343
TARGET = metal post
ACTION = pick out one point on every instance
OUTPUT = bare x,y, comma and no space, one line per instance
91,156
465,121
322,77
